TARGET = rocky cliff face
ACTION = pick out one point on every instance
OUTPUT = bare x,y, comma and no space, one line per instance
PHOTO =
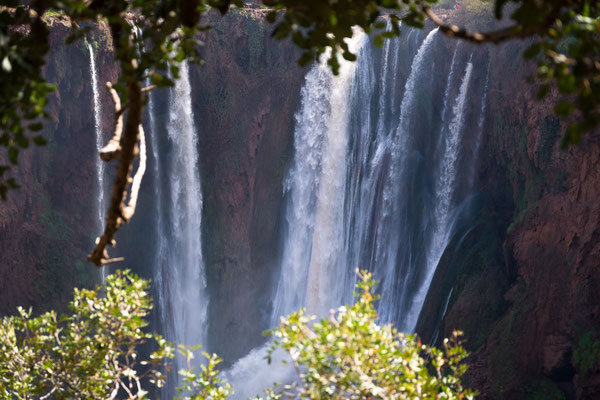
46,227
527,288
245,98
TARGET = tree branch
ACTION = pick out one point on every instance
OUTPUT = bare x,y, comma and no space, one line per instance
511,32
515,31
137,179
113,149
117,214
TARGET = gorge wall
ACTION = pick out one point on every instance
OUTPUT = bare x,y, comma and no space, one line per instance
526,292
520,276
47,226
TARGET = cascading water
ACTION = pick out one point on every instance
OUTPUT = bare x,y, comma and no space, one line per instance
444,192
178,270
301,188
161,239
395,278
480,122
181,280
359,198
312,264
449,86
161,236
380,194
326,283
100,212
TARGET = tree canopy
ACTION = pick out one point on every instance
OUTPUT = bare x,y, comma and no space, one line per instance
97,352
566,35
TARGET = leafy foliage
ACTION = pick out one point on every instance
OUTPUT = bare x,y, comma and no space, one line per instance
95,352
586,354
568,54
351,356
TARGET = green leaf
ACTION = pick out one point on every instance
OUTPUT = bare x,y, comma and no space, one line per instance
40,140
378,40
564,108
6,66
36,127
532,51
13,155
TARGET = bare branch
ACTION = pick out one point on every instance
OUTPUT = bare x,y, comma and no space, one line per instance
137,179
148,88
113,149
112,260
124,386
115,391
512,32
515,31
116,215
48,394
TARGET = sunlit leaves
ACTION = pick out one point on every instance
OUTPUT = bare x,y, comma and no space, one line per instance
351,356
96,349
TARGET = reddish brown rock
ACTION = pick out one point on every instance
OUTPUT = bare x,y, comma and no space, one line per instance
46,226
552,240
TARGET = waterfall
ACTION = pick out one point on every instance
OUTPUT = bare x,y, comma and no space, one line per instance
449,84
301,187
384,88
444,192
388,236
183,283
161,240
359,197
480,123
327,268
159,268
337,219
100,212
311,261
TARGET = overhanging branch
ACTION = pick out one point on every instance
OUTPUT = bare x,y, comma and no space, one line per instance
118,213
137,179
512,32
516,31
113,149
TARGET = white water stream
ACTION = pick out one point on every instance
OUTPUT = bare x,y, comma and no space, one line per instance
387,236
100,211
444,197
185,284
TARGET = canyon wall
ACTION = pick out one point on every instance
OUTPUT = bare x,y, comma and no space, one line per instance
47,226
525,275
520,277
245,98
